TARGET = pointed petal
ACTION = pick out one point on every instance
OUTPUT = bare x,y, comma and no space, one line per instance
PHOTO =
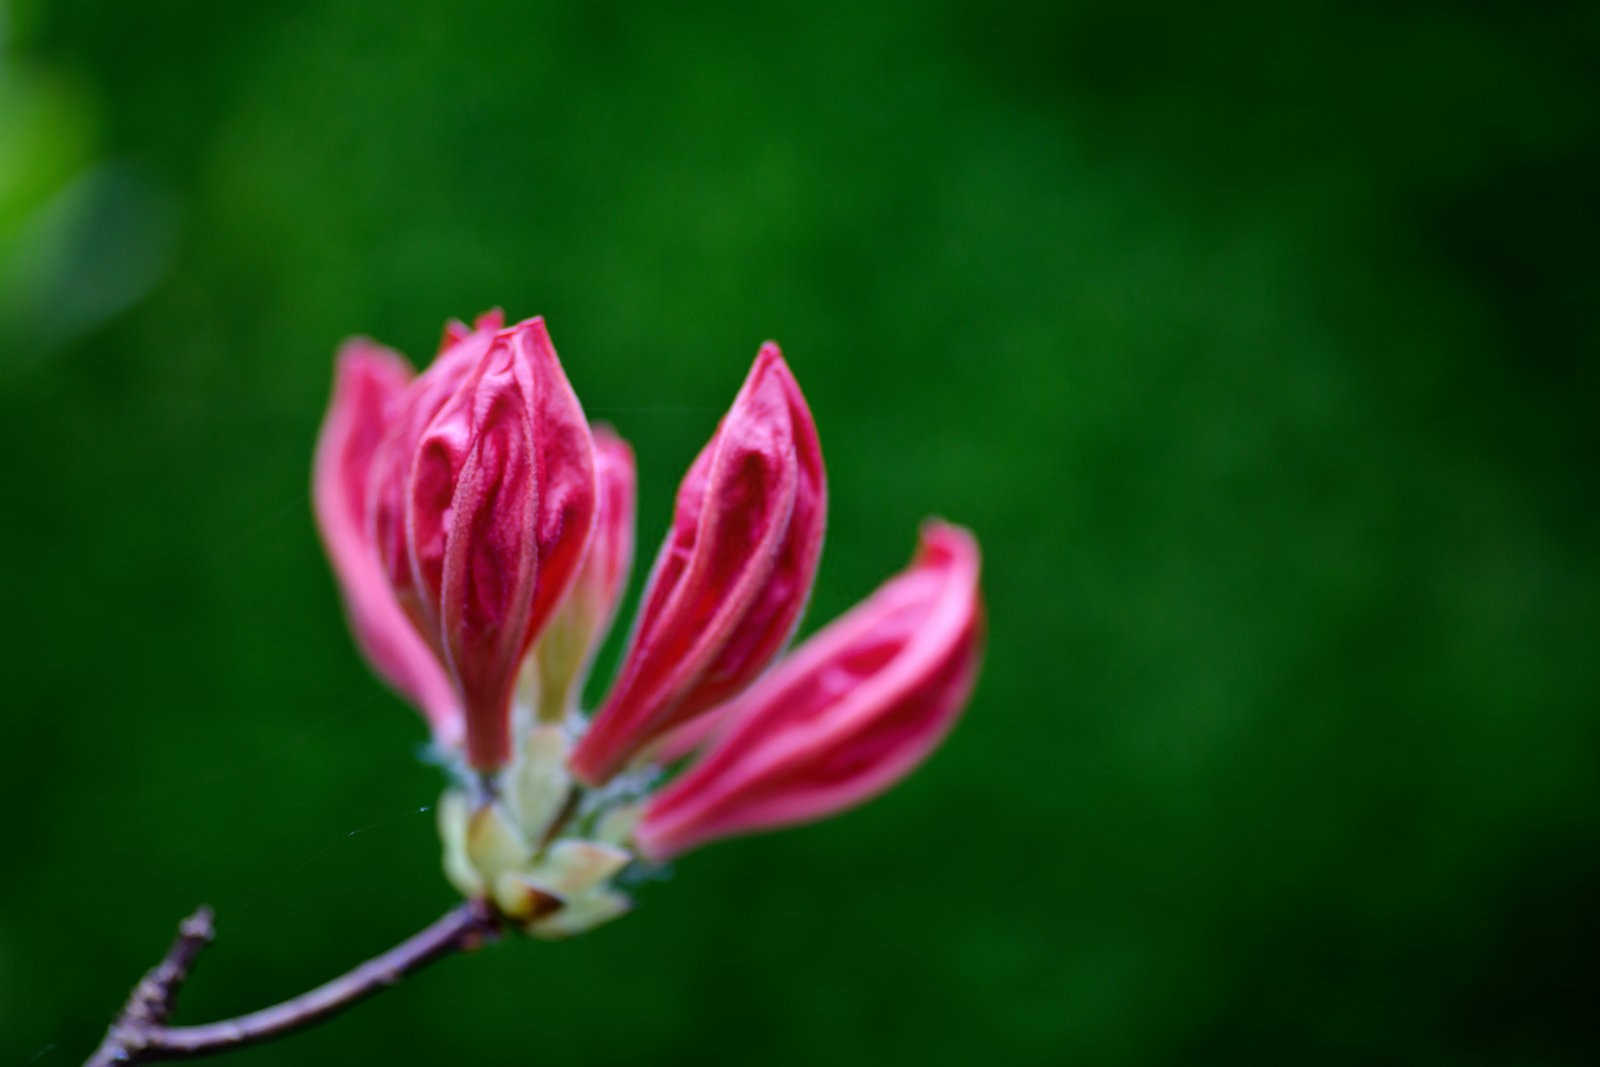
500,510
456,331
731,579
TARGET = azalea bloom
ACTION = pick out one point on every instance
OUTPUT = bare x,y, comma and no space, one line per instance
457,508
482,535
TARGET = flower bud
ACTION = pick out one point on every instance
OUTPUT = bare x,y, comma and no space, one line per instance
369,384
508,849
844,716
559,664
500,506
732,577
390,478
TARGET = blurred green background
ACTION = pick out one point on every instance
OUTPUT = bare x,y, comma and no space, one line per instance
1258,346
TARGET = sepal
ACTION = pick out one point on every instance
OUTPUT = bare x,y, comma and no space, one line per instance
454,812
599,905
494,842
540,784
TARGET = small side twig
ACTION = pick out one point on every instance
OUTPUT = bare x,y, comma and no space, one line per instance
139,1033
153,999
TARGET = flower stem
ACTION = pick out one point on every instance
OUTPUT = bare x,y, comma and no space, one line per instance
140,1033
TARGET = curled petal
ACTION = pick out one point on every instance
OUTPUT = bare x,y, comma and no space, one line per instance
732,577
500,508
369,382
845,716
560,661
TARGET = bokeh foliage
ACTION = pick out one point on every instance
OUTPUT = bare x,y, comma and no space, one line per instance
1256,342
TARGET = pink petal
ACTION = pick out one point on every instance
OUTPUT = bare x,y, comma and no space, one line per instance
732,577
456,331
605,570
845,716
390,478
369,381
576,630
499,515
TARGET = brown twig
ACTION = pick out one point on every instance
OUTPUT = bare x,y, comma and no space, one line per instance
153,999
139,1033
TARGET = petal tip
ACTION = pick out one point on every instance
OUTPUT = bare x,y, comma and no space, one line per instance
937,535
362,354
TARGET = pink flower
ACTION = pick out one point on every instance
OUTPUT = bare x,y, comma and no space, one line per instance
482,538
843,717
480,501
732,577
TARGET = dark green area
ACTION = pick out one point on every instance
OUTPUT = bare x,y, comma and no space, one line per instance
1257,344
